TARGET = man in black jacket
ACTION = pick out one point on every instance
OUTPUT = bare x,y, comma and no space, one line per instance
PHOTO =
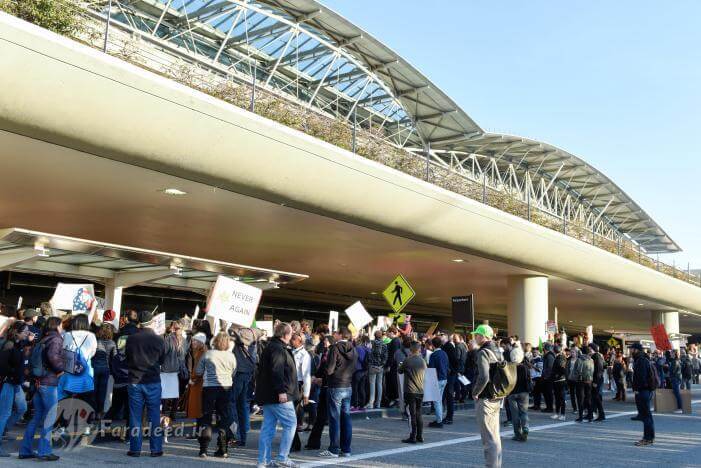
276,389
450,386
339,369
145,353
644,388
598,382
547,382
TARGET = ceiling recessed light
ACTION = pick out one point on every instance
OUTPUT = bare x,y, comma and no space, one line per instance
174,191
686,315
373,293
570,321
580,289
641,304
458,260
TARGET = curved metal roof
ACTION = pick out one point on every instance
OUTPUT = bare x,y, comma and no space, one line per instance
310,53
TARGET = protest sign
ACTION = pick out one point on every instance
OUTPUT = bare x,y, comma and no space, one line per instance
267,326
158,324
590,334
551,327
432,329
358,316
234,301
78,298
333,321
5,323
431,389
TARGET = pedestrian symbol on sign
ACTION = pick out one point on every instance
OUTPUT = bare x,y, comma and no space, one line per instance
398,294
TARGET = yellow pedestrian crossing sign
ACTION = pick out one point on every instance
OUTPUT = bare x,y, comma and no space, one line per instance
399,293
613,342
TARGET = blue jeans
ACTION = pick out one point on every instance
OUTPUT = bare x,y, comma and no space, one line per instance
339,419
240,407
272,413
438,405
45,405
12,406
642,401
148,395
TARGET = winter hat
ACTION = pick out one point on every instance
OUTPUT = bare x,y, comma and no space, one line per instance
201,337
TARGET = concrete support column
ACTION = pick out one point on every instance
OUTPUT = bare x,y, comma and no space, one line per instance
670,320
113,300
527,308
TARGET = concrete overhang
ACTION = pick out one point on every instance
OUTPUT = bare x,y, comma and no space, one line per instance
60,92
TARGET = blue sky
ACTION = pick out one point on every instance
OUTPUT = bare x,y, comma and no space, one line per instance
617,83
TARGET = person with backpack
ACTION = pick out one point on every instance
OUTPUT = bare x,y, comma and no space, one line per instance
584,375
12,400
487,397
557,375
47,364
518,399
376,363
645,382
79,347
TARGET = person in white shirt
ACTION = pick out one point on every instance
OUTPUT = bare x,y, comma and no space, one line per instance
303,362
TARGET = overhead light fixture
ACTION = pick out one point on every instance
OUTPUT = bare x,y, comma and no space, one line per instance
570,321
458,260
685,315
174,192
580,289
373,293
641,304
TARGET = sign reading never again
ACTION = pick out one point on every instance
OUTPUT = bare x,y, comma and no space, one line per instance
398,294
233,301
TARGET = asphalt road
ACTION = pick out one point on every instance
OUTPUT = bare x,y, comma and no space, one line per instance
376,443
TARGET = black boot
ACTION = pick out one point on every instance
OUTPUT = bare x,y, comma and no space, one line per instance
222,448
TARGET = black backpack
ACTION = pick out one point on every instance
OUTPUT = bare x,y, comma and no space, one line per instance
687,372
502,378
36,360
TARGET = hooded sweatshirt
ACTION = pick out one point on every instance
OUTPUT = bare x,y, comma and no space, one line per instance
341,364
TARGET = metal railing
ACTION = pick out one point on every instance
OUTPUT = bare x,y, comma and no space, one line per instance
145,51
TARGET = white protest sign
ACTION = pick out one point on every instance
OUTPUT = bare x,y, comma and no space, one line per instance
195,316
78,298
333,321
5,323
431,389
590,334
234,301
358,315
267,326
19,303
158,324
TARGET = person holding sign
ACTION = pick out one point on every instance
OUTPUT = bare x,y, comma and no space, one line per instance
413,369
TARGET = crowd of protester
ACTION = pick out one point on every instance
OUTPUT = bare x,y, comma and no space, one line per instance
302,381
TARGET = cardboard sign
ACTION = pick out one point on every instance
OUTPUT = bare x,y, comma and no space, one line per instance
432,329
78,298
267,326
233,301
5,323
333,321
659,334
551,327
158,324
358,316
590,334
431,389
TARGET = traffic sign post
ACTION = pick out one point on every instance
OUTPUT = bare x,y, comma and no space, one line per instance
398,294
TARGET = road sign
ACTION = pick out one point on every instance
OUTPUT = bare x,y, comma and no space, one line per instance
613,342
398,294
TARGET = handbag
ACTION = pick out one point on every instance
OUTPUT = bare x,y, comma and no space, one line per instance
73,361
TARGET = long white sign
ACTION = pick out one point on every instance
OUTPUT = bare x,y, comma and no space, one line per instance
78,298
233,301
158,324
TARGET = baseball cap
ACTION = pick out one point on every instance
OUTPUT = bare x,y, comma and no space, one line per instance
145,316
637,346
484,330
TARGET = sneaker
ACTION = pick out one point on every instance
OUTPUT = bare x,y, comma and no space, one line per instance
643,443
409,441
506,423
448,421
203,455
133,454
436,425
678,411
328,454
555,416
51,457
156,454
420,440
562,418
287,464
345,454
